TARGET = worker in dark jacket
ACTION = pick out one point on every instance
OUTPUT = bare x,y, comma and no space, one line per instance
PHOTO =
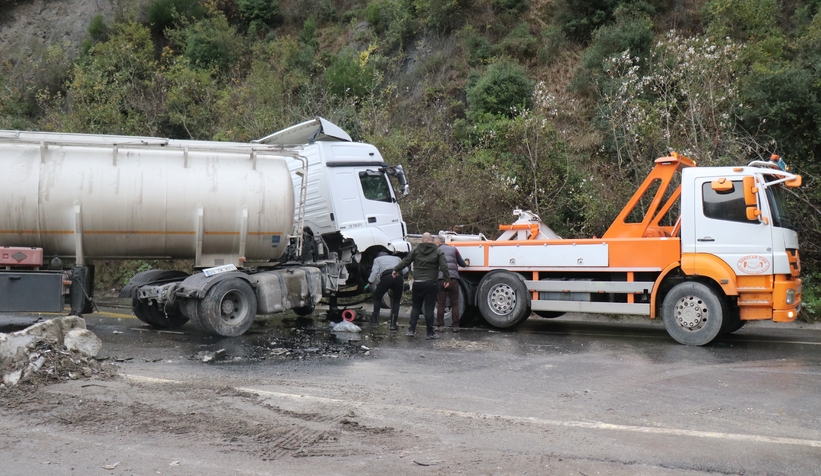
427,261
381,281
454,259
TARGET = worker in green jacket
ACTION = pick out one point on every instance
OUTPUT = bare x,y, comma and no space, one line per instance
428,260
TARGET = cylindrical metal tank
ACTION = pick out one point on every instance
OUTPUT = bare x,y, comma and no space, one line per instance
139,197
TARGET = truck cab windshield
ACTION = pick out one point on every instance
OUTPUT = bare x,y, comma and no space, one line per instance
777,197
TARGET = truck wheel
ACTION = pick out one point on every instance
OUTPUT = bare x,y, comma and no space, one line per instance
154,315
143,313
732,320
692,314
503,299
469,314
228,308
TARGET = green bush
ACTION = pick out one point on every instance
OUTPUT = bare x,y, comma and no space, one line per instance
97,28
755,22
164,14
742,19
348,76
265,11
211,43
519,43
510,6
307,36
633,32
440,15
786,105
108,92
580,18
552,41
502,90
477,46
394,19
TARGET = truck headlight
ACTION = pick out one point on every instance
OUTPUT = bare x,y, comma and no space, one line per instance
791,296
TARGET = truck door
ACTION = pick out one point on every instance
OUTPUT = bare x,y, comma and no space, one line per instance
348,199
379,205
722,228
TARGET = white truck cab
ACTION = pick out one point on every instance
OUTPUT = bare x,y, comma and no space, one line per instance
720,225
348,188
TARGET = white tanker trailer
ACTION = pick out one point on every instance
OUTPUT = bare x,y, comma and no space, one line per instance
271,225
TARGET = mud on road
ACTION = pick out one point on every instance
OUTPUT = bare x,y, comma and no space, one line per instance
554,397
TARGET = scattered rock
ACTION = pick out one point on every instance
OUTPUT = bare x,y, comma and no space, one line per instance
13,346
50,351
213,356
83,340
11,378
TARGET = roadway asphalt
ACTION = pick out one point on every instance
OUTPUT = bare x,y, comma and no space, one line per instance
573,395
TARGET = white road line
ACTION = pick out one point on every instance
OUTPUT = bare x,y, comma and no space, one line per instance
594,425
665,336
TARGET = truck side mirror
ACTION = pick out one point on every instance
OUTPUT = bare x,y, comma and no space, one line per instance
722,185
750,200
753,213
750,191
794,183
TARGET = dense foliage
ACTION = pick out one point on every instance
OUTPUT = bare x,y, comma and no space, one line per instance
558,106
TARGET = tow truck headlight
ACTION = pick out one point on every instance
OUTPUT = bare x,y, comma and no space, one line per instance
791,296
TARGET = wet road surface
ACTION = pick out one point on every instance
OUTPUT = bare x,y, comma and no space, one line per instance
575,395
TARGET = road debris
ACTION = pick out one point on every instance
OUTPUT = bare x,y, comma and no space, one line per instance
51,351
207,357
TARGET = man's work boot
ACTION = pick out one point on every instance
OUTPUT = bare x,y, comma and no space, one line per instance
394,326
374,320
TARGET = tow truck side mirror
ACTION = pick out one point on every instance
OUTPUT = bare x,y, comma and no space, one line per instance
750,191
722,185
794,183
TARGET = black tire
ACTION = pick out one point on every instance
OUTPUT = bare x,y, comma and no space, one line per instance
154,315
732,320
693,313
143,313
503,299
228,308
549,314
469,313
304,310
736,325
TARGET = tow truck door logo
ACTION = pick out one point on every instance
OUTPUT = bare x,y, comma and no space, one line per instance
753,264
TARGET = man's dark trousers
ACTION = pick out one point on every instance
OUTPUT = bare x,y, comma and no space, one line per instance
424,293
388,282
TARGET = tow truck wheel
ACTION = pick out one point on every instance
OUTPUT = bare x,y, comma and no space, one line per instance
468,313
228,308
503,299
155,315
692,314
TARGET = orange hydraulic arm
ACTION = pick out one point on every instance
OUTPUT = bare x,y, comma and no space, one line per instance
657,182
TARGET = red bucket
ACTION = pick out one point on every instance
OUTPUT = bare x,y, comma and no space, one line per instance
348,315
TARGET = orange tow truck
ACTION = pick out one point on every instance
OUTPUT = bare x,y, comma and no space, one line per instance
705,248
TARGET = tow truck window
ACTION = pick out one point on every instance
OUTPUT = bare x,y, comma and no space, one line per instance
778,204
727,205
375,186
